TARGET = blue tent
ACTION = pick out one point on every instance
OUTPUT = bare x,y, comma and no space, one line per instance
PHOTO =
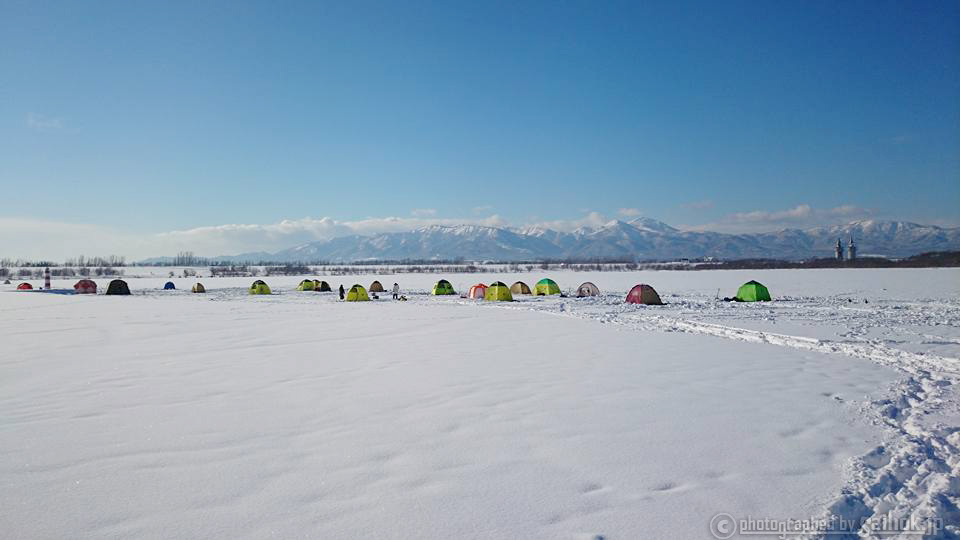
169,286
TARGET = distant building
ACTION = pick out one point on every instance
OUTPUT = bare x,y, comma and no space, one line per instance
851,249
839,250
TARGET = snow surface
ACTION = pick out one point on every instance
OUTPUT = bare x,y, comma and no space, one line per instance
168,414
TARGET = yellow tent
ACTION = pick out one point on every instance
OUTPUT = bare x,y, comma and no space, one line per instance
259,287
498,291
357,294
198,288
307,285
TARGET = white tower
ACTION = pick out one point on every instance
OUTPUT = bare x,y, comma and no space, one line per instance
839,250
852,249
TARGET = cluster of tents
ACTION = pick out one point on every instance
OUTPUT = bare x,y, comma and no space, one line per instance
751,291
642,293
500,292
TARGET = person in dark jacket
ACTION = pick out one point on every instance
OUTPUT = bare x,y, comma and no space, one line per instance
341,291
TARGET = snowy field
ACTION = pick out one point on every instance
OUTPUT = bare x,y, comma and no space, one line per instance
168,414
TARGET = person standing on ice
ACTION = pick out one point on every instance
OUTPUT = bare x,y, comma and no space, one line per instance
341,291
396,291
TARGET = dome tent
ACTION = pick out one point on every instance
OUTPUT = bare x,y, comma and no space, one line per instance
587,289
307,285
199,288
85,286
259,287
478,291
498,292
752,291
376,287
24,287
546,286
118,287
357,294
321,286
443,287
520,288
169,286
644,294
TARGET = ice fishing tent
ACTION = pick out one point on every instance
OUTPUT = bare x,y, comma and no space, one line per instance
546,286
6,282
644,294
199,288
752,291
85,286
478,291
376,287
259,287
520,288
498,292
169,286
307,285
24,287
443,287
118,286
321,286
357,294
588,289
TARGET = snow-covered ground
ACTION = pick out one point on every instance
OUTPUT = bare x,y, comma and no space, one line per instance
168,414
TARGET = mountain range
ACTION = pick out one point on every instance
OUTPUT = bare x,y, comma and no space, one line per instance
640,239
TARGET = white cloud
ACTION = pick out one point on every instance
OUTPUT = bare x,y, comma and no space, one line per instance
39,122
799,212
800,216
629,212
591,219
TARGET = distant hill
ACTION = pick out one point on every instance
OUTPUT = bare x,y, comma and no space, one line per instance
640,239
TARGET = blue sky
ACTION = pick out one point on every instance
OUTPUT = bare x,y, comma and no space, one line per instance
144,118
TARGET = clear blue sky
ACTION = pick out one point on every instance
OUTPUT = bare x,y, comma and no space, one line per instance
173,115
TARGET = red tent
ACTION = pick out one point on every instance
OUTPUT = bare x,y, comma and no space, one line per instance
478,291
24,287
85,286
643,294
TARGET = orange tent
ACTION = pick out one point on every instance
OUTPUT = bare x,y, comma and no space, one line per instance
478,291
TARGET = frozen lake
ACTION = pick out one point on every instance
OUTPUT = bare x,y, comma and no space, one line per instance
170,414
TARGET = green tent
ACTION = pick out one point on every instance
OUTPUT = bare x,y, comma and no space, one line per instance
443,287
752,291
546,286
357,294
307,285
259,287
321,286
498,292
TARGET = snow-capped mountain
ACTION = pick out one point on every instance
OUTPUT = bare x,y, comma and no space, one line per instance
639,239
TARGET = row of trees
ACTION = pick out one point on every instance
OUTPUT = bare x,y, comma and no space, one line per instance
59,272
112,261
